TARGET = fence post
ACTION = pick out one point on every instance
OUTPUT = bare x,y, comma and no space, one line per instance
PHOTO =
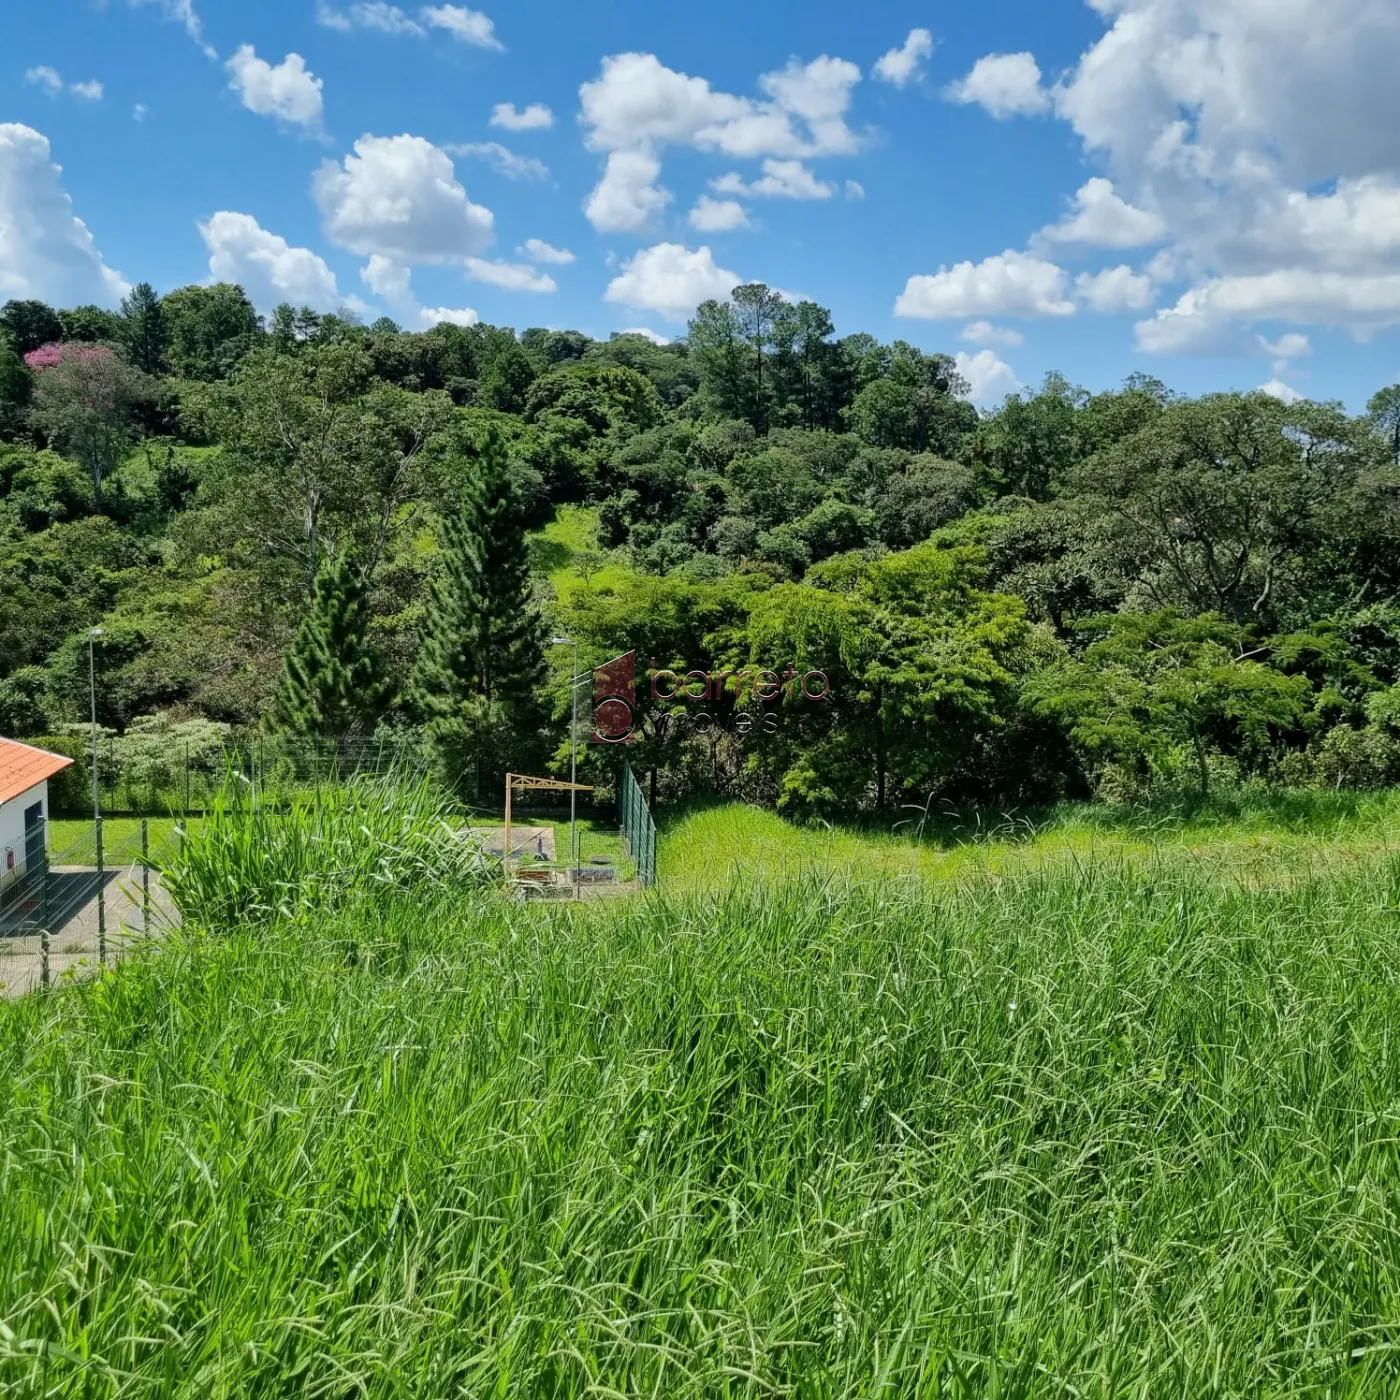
145,875
44,956
101,900
44,877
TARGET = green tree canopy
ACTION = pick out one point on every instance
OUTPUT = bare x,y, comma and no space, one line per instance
29,324
320,458
1223,504
333,686
482,657
210,329
922,661
142,330
1150,684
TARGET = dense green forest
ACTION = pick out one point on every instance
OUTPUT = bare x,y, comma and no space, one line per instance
302,524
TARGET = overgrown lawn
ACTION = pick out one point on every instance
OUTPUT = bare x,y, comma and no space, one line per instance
1120,1130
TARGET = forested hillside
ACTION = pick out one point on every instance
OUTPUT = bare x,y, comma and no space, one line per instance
304,524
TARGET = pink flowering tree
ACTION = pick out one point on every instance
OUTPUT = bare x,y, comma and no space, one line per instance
85,402
45,357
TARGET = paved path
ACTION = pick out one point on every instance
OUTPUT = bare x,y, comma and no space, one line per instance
73,940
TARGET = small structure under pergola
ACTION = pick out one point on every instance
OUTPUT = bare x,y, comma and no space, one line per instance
521,782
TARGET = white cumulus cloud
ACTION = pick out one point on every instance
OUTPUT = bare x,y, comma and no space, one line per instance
399,196
535,117
537,250
985,333
268,268
1277,389
782,179
430,316
502,159
47,78
371,14
990,379
636,107
182,12
627,199
1009,284
1101,219
469,26
51,80
1211,317
637,102
1285,350
1256,145
513,277
1287,347
1006,84
289,91
718,215
1114,291
46,251
1266,137
902,65
388,280
672,280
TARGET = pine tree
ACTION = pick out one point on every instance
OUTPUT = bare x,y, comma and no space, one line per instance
482,657
144,332
332,680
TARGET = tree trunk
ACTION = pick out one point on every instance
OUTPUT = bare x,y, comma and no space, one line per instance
1202,767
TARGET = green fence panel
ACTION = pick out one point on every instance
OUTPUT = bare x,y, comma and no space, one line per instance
638,828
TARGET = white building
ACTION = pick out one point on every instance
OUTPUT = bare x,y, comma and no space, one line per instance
24,804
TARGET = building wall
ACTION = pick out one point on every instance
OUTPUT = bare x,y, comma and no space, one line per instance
12,830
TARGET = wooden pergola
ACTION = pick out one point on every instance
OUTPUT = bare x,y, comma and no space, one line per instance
521,782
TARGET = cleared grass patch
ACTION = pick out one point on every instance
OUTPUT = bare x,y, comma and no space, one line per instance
1280,834
555,551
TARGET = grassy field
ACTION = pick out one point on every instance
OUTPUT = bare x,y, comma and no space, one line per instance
555,551
709,844
1122,1124
74,842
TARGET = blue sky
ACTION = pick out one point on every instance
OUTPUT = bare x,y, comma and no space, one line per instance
1204,190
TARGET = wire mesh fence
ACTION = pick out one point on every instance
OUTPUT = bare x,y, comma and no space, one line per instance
638,828
78,904
148,774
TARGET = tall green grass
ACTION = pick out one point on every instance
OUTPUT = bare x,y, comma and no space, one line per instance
337,844
1106,1131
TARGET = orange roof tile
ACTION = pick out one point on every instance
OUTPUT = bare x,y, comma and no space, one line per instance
22,768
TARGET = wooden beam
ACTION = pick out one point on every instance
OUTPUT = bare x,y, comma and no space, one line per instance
524,783
521,782
505,848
